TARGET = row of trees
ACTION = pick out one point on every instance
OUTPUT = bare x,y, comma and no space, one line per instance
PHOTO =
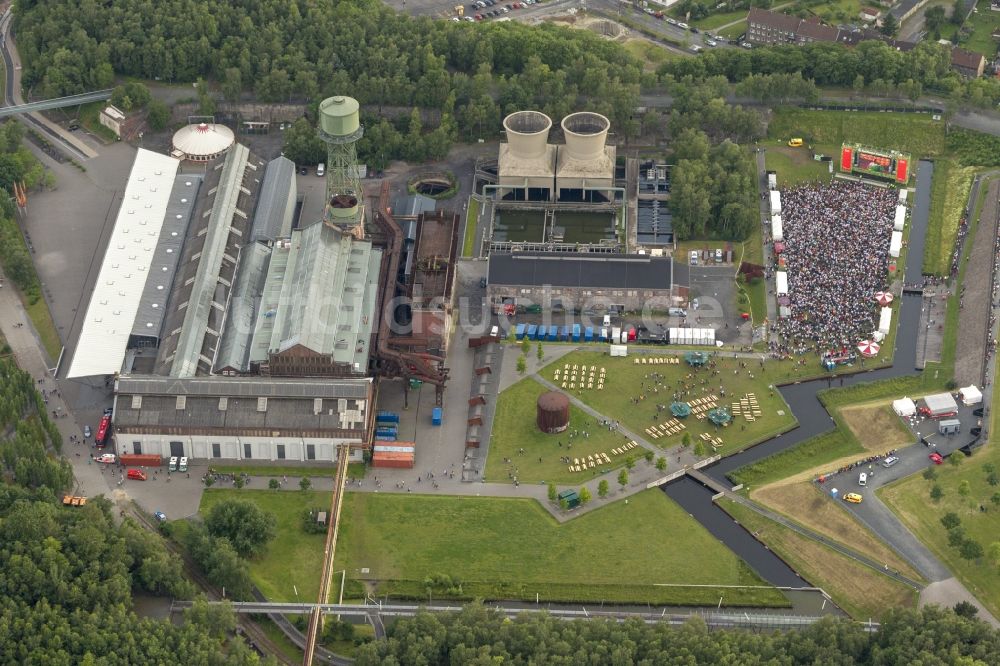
480,636
869,64
69,573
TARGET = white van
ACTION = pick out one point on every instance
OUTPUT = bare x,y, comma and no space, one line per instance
694,257
321,169
890,461
182,466
607,321
863,479
173,464
495,332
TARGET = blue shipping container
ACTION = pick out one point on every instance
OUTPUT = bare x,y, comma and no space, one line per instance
588,334
576,332
519,331
386,432
387,417
532,331
542,330
436,415
385,438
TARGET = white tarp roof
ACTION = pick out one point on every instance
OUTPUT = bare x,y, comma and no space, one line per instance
971,395
895,243
775,202
781,283
902,195
904,407
900,221
776,230
941,403
100,349
884,320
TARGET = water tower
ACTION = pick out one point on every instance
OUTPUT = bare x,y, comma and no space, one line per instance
340,127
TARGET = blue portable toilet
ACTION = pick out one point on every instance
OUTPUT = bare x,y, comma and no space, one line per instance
436,416
532,331
542,330
564,333
588,334
576,332
519,331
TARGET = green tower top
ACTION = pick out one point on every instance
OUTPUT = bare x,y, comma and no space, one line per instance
339,116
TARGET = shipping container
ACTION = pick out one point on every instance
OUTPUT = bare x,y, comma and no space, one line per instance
387,417
141,460
519,331
385,438
387,430
588,334
392,460
436,416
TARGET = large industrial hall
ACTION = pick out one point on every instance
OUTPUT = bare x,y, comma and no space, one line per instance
232,327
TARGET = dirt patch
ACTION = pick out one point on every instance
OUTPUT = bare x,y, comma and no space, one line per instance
877,427
806,505
798,156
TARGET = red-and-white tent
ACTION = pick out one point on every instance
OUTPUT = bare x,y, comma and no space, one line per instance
883,298
868,347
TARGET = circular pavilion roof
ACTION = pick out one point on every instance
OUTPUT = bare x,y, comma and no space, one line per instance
203,139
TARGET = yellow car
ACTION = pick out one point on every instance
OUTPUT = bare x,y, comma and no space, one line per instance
853,498
795,143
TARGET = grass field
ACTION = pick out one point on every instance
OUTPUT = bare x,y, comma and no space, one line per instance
733,31
983,23
512,548
795,165
859,590
294,558
713,21
625,379
471,219
949,194
354,470
514,428
41,319
806,504
876,426
652,55
914,133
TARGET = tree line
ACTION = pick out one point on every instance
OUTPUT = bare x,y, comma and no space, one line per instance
481,636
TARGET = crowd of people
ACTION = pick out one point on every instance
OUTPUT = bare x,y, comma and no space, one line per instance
836,240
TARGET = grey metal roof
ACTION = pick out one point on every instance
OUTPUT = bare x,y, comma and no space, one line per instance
234,347
414,204
205,307
167,255
577,270
251,387
276,205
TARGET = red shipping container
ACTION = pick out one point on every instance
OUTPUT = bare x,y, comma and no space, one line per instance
141,459
392,459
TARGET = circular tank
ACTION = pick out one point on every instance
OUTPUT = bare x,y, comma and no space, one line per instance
527,133
343,206
553,412
339,115
586,133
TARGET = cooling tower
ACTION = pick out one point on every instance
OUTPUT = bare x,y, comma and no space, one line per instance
586,133
527,133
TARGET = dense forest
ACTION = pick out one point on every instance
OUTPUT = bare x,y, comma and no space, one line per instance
69,572
478,636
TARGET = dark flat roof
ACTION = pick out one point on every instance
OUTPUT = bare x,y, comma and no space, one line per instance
624,271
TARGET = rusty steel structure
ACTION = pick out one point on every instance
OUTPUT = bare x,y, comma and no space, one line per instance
392,357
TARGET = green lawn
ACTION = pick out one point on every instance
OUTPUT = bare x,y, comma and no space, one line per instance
796,165
983,23
354,470
733,31
471,219
294,558
859,590
653,55
41,319
623,382
949,194
814,451
713,21
514,428
512,548
914,133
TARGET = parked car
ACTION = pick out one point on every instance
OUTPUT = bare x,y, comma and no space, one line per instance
671,21
677,312
694,258
718,255
321,169
853,498
890,461
106,458
978,411
711,42
136,475
746,45
87,432
160,516
863,479
936,458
